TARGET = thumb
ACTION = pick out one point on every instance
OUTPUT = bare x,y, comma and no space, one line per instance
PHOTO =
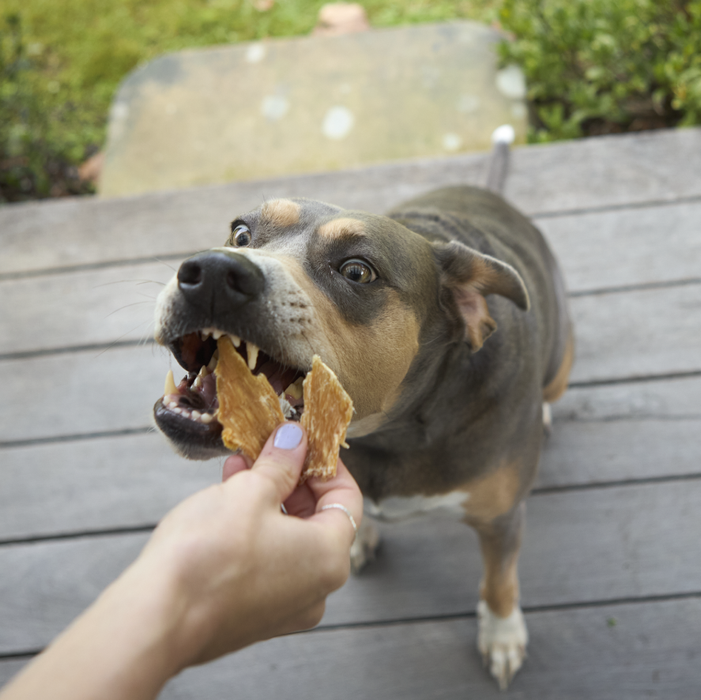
282,458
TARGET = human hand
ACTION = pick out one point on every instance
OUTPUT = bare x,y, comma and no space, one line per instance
242,570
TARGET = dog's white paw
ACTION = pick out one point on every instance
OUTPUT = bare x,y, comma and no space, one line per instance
365,546
502,642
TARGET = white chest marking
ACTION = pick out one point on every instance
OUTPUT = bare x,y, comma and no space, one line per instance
402,507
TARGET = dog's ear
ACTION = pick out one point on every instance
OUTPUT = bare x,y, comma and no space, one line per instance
469,276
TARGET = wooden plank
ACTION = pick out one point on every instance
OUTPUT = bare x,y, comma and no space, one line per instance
81,308
614,433
598,172
601,434
52,582
572,654
619,336
595,545
94,484
601,452
597,250
669,399
83,392
608,171
615,652
643,333
646,245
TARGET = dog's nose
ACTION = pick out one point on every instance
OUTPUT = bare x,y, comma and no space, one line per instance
218,282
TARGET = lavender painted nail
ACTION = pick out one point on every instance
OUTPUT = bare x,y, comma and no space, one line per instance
288,436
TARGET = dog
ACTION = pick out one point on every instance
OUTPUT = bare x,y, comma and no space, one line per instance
445,320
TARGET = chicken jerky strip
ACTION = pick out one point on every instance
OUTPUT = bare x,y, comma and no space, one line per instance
249,411
327,412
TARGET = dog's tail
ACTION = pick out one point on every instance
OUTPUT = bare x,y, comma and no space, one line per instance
498,166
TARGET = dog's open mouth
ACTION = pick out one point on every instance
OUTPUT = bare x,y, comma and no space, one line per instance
191,406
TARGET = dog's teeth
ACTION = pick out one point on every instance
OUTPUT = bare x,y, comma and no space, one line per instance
295,389
205,333
196,415
200,376
217,334
206,418
252,355
173,404
235,340
213,362
170,387
286,408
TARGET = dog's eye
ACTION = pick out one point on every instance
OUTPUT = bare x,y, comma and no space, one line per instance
241,236
357,271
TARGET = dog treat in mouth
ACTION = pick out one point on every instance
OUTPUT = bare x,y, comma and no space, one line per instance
249,411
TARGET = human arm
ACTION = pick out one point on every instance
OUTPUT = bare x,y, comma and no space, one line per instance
224,569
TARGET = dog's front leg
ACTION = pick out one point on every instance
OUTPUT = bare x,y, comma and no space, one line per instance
502,634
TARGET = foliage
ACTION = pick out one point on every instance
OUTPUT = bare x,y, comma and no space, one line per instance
62,61
592,66
602,66
36,154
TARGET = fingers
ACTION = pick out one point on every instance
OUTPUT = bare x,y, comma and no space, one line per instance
282,459
234,465
343,490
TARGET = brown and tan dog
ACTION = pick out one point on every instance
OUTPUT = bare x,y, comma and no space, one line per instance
446,322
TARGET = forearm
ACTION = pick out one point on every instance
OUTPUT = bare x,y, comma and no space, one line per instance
119,649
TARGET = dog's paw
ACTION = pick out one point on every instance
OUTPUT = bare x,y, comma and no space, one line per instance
502,642
364,548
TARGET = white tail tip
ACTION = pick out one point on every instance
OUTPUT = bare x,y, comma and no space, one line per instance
504,134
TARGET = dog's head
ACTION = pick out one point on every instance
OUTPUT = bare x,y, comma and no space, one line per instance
299,278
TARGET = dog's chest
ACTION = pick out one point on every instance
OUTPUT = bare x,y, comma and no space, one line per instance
452,505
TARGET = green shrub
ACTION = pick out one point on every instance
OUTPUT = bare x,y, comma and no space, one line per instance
592,66
37,155
602,66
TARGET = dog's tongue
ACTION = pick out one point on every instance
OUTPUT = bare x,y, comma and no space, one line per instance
209,389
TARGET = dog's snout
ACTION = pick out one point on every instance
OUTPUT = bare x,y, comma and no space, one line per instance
217,282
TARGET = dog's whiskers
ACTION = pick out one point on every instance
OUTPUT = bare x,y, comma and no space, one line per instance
137,282
163,262
126,306
124,335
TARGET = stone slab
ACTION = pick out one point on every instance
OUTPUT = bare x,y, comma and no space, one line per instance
310,104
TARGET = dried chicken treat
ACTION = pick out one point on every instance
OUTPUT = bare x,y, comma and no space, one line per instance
327,412
249,409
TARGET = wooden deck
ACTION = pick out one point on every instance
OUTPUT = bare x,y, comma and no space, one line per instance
611,564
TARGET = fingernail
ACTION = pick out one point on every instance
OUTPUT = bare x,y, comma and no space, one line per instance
288,436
